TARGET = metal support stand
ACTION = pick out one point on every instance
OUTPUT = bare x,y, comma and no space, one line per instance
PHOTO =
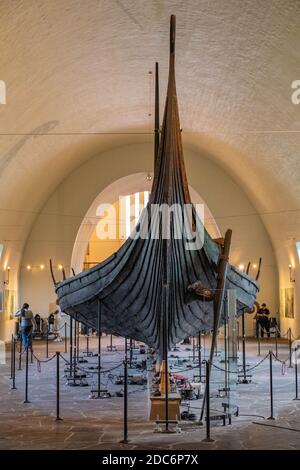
216,344
258,339
20,355
296,375
75,347
199,357
290,347
166,348
276,345
207,396
26,378
225,360
11,356
98,392
244,381
194,355
14,365
58,418
99,349
47,342
131,353
125,428
271,385
66,341
78,342
71,347
111,347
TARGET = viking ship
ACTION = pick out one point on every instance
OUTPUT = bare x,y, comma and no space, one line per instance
156,289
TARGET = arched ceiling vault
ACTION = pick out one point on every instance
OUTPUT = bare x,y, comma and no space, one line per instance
77,74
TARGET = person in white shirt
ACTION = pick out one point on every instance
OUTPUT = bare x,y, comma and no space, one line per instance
57,324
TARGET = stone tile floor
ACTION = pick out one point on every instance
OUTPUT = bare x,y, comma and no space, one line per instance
97,424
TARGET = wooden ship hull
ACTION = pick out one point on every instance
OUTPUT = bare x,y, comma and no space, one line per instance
156,290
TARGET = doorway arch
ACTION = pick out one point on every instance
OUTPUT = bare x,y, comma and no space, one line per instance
129,184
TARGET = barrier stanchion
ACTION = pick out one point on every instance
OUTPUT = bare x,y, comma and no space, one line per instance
31,352
78,341
296,375
47,342
58,418
290,346
71,347
20,354
131,353
26,378
99,328
199,356
66,341
99,348
258,339
271,385
244,381
207,438
238,335
75,347
125,421
276,345
11,356
194,356
14,365
87,343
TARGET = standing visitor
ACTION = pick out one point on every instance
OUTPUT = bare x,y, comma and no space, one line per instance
27,323
262,321
57,322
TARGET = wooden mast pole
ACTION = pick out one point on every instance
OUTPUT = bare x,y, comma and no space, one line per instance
156,115
218,304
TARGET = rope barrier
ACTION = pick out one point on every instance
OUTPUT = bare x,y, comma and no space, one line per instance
66,361
59,329
91,372
44,360
283,364
294,338
258,364
224,370
238,372
39,361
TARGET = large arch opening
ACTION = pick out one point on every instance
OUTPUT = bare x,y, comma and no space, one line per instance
130,185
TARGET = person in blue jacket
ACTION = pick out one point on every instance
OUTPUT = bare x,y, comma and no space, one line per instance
27,323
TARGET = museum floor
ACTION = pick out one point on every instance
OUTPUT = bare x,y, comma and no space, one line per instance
97,424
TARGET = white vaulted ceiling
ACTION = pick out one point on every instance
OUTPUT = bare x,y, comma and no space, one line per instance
77,73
